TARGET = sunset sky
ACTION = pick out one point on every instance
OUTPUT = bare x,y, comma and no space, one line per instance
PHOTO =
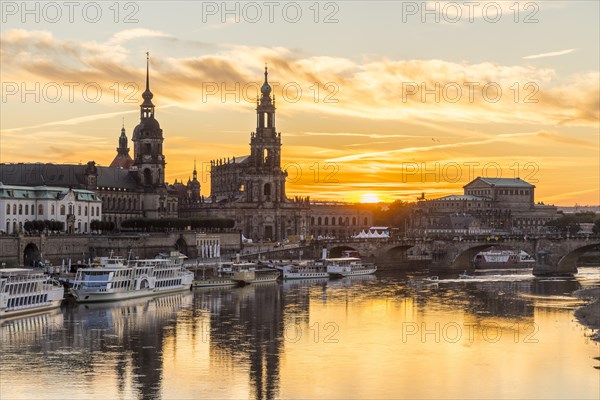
362,128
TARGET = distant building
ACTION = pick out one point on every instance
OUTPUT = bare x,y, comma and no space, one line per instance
338,220
487,205
75,208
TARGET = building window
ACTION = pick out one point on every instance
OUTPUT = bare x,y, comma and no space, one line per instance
40,209
319,221
326,221
353,221
20,209
26,209
366,221
92,211
267,190
62,209
85,211
14,209
52,209
7,211
7,226
98,211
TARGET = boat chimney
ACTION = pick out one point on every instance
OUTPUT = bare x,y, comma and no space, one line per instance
324,253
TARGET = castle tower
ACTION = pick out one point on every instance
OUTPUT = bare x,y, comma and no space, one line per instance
147,142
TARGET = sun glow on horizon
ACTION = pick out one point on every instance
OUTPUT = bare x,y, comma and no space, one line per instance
370,198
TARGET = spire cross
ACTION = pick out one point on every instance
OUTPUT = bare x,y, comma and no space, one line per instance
147,70
266,72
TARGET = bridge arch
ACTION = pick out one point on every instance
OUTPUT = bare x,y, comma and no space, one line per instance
181,246
464,257
568,263
336,251
31,255
397,251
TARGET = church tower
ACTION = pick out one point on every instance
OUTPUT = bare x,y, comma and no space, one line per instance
265,179
122,159
147,142
193,186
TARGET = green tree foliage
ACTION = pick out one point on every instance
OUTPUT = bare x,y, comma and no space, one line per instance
394,215
43,226
596,228
569,223
97,225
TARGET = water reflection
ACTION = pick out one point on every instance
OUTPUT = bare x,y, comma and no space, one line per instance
246,325
387,337
82,346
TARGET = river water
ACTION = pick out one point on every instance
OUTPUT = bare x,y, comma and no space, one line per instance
384,336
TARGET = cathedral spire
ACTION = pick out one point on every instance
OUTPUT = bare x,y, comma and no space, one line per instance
265,89
195,173
147,108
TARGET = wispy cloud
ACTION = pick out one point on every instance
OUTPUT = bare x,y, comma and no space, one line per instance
550,54
131,34
76,120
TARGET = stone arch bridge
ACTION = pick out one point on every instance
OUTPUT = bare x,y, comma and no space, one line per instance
554,256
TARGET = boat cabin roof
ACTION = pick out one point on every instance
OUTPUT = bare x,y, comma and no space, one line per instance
17,271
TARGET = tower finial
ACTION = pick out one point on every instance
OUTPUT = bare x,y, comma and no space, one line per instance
266,72
123,127
147,71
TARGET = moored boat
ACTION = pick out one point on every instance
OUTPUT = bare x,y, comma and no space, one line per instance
248,272
223,277
348,266
24,291
119,279
305,270
503,259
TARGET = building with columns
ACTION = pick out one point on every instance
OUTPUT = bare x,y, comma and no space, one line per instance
492,205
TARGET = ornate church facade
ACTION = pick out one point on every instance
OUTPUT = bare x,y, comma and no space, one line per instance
251,190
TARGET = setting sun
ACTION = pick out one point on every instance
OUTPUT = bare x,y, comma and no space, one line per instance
370,198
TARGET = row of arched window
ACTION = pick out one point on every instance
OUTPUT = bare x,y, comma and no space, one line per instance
119,203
